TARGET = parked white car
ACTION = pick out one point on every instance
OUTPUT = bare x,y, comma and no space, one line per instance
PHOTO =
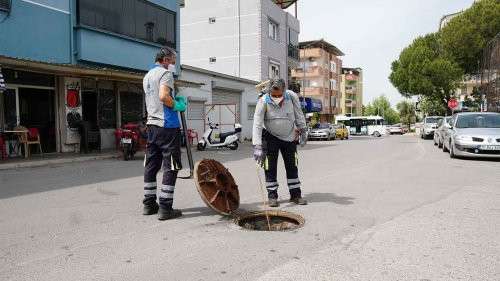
474,134
322,131
429,126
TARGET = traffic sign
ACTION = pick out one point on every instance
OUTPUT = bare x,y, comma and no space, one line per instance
452,103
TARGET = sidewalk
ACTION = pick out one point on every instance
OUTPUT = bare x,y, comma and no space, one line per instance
55,159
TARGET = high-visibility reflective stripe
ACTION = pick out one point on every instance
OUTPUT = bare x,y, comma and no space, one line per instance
150,192
272,188
293,186
167,188
150,184
293,180
266,164
271,183
296,159
166,195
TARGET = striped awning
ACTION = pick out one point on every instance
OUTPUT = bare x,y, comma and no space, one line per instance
2,82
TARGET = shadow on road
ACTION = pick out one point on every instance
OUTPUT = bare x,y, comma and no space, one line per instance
318,197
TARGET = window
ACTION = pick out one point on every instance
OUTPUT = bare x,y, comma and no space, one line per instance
274,69
211,20
135,18
196,110
131,105
251,111
106,108
333,67
212,59
273,30
293,37
333,84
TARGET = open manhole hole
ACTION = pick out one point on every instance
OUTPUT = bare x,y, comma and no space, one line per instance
278,221
219,191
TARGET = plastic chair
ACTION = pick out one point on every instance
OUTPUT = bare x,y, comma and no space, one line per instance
192,134
33,138
3,150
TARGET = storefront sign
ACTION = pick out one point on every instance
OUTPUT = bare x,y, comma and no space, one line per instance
311,105
72,97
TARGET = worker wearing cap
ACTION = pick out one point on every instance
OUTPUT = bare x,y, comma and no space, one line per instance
278,123
164,136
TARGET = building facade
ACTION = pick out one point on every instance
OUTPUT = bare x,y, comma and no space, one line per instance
222,98
351,87
319,73
70,59
250,39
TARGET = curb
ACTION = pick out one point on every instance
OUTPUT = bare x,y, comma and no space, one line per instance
43,163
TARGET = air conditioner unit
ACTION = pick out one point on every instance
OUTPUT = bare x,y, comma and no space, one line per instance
5,5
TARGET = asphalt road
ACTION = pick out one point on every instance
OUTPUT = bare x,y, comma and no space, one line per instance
393,208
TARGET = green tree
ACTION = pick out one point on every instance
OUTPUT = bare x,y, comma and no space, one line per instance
466,35
429,106
421,70
382,107
407,112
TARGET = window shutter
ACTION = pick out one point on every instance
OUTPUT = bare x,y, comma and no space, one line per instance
5,5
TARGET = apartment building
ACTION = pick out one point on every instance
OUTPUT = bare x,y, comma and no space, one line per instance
251,39
351,87
319,73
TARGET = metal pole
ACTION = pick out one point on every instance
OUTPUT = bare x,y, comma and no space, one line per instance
188,147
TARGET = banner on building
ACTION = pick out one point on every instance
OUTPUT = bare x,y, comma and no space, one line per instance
2,82
73,105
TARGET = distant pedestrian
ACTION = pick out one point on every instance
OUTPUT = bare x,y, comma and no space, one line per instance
278,124
164,136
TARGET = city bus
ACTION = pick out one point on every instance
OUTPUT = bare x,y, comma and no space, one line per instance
363,125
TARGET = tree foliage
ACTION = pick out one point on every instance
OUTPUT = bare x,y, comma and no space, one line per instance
382,107
429,106
422,70
466,35
407,112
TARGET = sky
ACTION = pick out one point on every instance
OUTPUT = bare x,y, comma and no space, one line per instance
372,33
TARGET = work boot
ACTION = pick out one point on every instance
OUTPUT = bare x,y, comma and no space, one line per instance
150,209
165,214
299,201
273,202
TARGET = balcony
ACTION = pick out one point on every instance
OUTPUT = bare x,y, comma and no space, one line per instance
313,71
293,52
316,91
311,53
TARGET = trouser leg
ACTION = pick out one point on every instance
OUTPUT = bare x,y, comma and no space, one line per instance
290,158
171,150
152,166
270,145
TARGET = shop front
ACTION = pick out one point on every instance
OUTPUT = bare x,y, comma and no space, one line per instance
60,101
28,101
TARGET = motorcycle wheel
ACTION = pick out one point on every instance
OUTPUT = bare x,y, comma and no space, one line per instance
126,152
201,146
233,146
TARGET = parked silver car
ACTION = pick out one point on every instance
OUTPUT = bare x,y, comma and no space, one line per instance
429,126
322,131
440,132
474,134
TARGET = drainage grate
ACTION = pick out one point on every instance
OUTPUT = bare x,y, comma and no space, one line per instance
278,220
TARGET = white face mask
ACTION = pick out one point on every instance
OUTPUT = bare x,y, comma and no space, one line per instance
277,100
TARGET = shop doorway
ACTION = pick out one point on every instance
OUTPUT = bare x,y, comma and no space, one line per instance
36,110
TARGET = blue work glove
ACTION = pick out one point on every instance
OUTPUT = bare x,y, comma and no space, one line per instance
258,154
179,104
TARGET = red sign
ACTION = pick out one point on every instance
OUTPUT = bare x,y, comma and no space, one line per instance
452,103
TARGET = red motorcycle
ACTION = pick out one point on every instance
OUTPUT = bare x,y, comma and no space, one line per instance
131,139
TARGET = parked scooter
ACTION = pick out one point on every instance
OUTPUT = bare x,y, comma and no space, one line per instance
129,136
229,139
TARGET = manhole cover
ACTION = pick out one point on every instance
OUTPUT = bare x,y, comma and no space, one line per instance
216,186
278,221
